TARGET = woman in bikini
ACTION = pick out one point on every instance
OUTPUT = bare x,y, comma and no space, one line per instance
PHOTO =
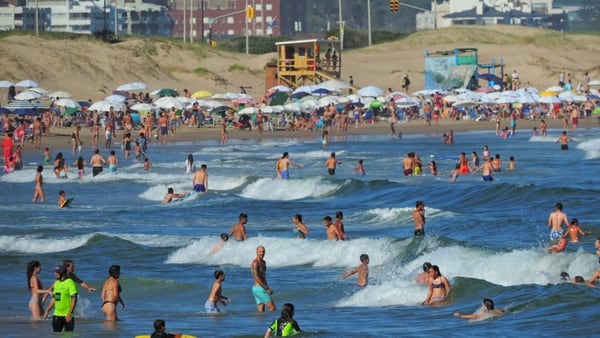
111,293
36,303
439,287
301,230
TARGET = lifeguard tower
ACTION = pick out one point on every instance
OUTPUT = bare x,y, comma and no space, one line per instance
451,68
310,61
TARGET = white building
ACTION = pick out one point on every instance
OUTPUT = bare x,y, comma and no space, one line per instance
486,12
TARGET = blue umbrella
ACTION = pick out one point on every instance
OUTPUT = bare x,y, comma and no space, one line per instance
26,112
5,111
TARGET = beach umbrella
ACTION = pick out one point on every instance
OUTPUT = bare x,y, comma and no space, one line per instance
168,102
116,98
556,89
67,103
221,110
211,104
6,84
141,107
428,92
101,105
27,95
334,85
27,84
528,90
292,107
244,99
279,99
566,96
272,109
280,88
465,103
549,99
165,92
61,94
594,83
226,96
247,110
84,103
16,104
26,112
407,102
507,99
4,111
371,91
184,100
201,94
395,96
132,86
321,91
302,91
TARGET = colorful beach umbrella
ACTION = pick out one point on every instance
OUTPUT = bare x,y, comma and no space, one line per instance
201,93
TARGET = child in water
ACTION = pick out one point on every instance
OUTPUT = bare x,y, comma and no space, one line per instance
360,169
325,139
286,325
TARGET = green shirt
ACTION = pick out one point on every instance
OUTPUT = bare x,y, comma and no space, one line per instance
63,292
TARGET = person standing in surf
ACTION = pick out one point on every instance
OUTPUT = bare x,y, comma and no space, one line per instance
200,181
419,218
261,290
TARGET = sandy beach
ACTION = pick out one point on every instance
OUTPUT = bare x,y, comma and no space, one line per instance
60,137
538,55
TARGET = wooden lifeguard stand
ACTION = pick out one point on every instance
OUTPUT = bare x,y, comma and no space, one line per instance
309,61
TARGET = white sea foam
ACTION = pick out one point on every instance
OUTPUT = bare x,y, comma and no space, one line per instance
287,190
591,148
39,245
282,252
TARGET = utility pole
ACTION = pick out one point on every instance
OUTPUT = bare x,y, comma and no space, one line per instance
369,19
184,23
341,25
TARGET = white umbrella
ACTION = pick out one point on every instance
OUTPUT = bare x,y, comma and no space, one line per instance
465,103
280,88
6,84
507,99
226,96
116,98
557,89
566,96
327,100
67,103
406,102
168,102
132,86
370,91
428,92
594,83
27,84
142,107
334,85
272,109
247,110
211,104
61,94
185,100
101,106
549,99
38,90
292,107
27,95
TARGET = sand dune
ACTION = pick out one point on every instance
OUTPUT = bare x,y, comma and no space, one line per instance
90,69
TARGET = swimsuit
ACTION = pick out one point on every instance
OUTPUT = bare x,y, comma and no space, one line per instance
112,168
96,170
487,178
163,130
564,147
556,234
408,172
285,174
211,306
420,232
261,296
109,302
299,234
331,171
199,188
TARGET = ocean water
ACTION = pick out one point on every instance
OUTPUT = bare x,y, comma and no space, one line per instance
487,238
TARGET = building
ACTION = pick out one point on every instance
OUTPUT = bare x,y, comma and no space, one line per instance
536,13
87,16
219,19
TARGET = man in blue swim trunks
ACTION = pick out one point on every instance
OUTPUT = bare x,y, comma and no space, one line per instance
261,290
200,181
556,221
488,170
